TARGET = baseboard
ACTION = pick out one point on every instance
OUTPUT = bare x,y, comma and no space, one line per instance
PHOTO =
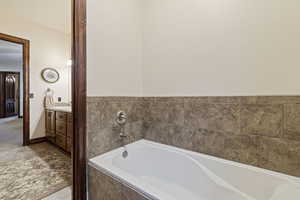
38,140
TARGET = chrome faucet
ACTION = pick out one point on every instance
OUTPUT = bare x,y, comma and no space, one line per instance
121,118
122,134
121,121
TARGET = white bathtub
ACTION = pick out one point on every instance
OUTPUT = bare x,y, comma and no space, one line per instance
163,172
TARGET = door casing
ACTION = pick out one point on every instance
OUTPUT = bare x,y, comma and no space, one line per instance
26,109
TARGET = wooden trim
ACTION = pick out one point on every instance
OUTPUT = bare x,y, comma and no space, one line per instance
38,140
26,86
26,56
79,99
19,96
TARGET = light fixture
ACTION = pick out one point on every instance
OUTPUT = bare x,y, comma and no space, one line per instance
69,63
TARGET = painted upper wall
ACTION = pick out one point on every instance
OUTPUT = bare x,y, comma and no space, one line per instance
48,48
54,14
114,47
192,47
221,47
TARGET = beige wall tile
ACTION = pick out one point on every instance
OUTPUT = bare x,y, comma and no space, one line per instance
259,119
292,121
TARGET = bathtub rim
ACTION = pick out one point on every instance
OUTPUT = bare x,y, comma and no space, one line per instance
94,162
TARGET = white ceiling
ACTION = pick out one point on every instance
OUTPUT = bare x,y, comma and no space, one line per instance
10,54
54,14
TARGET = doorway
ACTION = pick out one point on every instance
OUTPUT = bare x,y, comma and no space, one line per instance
40,165
78,94
13,101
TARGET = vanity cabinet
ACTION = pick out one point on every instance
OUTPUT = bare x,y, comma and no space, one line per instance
59,129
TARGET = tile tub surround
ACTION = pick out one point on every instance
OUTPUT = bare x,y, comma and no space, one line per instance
103,133
104,187
263,131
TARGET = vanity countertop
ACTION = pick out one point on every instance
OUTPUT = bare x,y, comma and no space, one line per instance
60,108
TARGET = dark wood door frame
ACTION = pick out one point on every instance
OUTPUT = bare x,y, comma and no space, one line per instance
79,99
26,117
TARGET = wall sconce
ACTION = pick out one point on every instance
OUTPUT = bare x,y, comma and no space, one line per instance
69,63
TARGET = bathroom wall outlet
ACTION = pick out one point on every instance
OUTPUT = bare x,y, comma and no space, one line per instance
59,99
31,95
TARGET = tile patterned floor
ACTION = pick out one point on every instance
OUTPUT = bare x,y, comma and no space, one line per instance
32,172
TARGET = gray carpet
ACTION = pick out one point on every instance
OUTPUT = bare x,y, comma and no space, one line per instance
11,134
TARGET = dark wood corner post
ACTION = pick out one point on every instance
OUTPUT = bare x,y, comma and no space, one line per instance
79,99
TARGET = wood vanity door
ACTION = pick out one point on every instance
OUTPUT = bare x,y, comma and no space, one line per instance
61,116
61,141
61,129
50,121
50,125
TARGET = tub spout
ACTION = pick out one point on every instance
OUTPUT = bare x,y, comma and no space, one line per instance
123,135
